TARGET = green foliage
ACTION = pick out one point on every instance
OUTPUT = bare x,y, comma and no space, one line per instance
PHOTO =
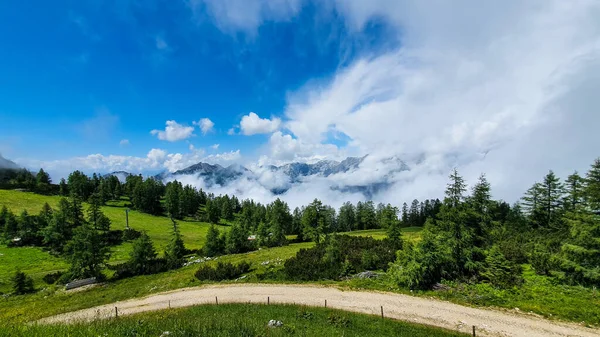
175,250
237,240
580,257
87,253
214,244
22,284
142,255
223,271
339,255
501,272
422,265
212,211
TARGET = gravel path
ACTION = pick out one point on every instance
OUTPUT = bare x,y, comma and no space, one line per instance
403,307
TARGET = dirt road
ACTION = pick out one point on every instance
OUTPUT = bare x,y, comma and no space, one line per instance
402,307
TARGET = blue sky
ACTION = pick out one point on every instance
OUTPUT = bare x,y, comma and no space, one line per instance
80,76
502,87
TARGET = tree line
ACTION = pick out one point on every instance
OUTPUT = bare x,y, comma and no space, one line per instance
555,227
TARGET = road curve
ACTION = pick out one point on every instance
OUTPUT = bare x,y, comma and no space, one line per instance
402,307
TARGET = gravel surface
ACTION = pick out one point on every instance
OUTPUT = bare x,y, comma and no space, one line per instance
428,311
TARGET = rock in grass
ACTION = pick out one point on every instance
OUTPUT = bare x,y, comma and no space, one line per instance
275,324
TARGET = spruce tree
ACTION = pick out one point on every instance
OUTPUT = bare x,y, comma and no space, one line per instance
212,211
592,187
142,255
237,240
87,253
574,191
213,245
551,201
175,250
22,284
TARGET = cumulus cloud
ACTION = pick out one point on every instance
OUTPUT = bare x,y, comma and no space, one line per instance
215,146
477,89
156,160
205,125
252,124
285,148
124,142
174,132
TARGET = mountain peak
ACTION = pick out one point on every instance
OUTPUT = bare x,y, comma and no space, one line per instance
7,164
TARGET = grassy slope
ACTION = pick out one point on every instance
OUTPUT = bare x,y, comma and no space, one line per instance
539,294
237,320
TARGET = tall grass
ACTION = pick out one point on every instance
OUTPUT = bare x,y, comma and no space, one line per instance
235,320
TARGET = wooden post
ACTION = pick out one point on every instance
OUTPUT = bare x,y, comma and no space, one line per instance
216,300
325,303
382,311
116,313
268,300
169,304
474,331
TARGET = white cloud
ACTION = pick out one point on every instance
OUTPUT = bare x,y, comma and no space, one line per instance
124,142
205,125
231,131
252,124
154,161
245,15
284,148
471,78
174,132
215,146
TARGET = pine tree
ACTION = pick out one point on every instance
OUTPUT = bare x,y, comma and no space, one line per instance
175,250
212,211
481,203
592,187
87,253
580,257
173,199
95,216
574,190
237,240
142,255
532,204
551,199
346,217
22,284
313,221
405,222
453,218
63,188
213,245
11,226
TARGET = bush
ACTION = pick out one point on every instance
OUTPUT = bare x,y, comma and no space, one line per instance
125,270
541,261
501,272
223,271
338,256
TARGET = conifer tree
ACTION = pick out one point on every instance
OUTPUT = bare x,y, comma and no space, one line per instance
175,250
22,284
574,191
213,245
87,253
142,255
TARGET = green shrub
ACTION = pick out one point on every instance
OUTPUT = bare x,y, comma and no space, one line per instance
339,256
223,271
